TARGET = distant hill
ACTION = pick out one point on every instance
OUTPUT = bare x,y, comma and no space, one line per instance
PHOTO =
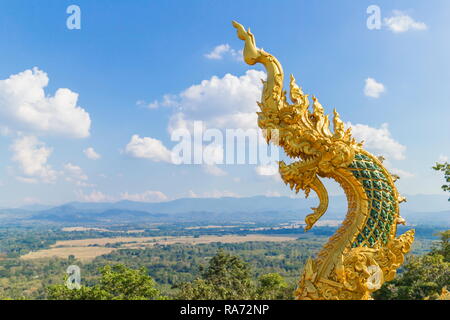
69,214
430,209
441,218
251,208
219,205
36,207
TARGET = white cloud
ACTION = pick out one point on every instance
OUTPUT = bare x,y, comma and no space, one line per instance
213,154
25,106
146,196
192,194
91,154
148,148
378,141
222,50
167,101
373,88
76,175
401,173
401,22
94,196
28,180
31,200
213,194
214,170
272,194
75,171
267,170
225,103
443,158
32,156
5,131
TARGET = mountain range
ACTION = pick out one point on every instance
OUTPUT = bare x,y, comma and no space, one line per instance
430,209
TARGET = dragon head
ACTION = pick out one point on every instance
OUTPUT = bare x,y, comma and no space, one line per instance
303,133
306,134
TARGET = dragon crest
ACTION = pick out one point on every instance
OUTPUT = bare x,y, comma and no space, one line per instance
364,252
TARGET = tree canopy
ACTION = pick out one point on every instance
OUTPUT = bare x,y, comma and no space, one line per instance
445,168
116,283
423,277
228,277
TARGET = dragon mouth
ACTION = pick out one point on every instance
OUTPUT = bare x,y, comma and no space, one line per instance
308,159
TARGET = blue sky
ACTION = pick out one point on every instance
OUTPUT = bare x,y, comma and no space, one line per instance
129,55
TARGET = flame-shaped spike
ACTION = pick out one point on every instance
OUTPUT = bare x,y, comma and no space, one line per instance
319,120
326,127
338,125
395,177
348,135
296,93
297,96
381,158
401,199
307,192
400,220
309,270
318,108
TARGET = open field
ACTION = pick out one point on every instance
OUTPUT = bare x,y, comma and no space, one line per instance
81,229
88,249
210,239
210,227
81,253
104,241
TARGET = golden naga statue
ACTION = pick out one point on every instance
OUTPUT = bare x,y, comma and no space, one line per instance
364,252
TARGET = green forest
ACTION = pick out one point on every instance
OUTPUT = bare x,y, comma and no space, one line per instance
249,270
